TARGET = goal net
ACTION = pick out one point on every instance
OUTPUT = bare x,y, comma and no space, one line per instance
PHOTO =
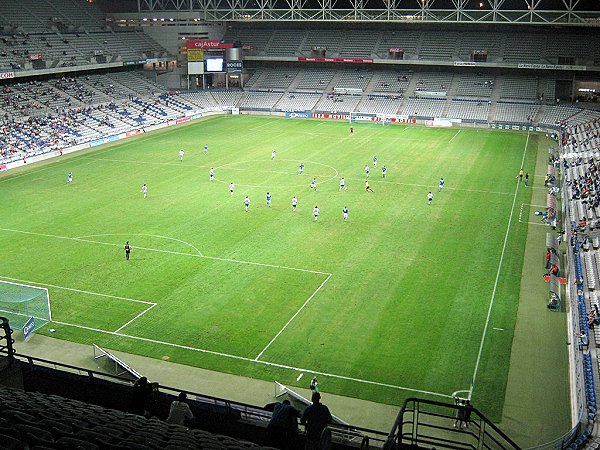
20,302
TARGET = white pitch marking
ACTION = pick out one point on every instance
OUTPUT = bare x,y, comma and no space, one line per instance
266,363
299,376
446,188
79,290
227,166
136,317
238,261
489,314
534,223
499,329
457,133
128,161
292,318
142,234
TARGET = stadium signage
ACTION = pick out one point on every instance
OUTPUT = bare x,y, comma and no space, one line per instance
336,60
28,327
3,167
464,63
550,66
234,66
5,75
298,115
330,116
396,50
402,120
207,43
367,118
133,63
35,56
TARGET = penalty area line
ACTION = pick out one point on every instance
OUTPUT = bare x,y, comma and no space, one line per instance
216,258
265,363
457,133
81,291
135,318
292,318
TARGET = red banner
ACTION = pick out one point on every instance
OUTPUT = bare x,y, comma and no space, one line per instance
402,120
330,116
336,60
35,56
182,120
3,167
207,43
132,133
5,75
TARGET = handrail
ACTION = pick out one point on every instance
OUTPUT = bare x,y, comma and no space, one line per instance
250,412
405,430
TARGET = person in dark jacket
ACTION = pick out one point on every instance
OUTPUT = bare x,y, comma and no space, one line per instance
283,425
315,419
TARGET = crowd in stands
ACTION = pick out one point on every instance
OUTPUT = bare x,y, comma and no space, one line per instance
44,116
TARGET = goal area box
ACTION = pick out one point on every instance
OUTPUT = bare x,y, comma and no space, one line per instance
20,302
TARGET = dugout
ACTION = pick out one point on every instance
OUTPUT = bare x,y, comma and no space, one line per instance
550,208
551,242
554,300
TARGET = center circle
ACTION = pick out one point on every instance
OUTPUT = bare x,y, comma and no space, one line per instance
274,172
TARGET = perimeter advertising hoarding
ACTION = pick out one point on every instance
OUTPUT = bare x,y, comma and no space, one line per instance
336,60
298,115
206,43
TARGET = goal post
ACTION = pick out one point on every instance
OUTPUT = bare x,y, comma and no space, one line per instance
20,302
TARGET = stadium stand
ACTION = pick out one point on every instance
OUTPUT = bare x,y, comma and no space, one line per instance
298,101
471,110
284,42
478,86
438,47
315,80
425,108
338,103
379,104
256,100
515,112
31,419
359,44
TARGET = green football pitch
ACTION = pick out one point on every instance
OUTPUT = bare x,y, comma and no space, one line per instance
404,299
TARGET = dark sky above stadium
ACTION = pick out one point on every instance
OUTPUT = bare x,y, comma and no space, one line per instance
582,5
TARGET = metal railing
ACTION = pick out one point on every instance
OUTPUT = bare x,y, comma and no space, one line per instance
431,424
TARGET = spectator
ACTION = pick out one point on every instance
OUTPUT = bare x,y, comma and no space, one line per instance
143,393
180,411
314,384
315,419
283,425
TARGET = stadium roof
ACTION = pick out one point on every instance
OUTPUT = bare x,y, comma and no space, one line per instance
538,12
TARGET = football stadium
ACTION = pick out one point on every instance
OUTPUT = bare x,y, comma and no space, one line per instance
280,224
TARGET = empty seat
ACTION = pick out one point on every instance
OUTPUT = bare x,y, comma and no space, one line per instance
68,443
9,442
